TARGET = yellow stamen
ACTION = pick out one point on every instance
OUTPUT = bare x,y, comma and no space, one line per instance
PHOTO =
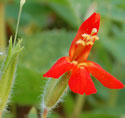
75,62
90,43
95,37
86,36
89,38
82,64
80,42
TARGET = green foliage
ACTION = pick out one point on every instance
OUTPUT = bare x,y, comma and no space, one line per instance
28,86
46,48
68,104
116,47
30,12
65,10
94,115
44,45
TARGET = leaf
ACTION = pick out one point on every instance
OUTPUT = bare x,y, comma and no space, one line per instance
116,47
31,17
65,10
68,104
28,87
111,9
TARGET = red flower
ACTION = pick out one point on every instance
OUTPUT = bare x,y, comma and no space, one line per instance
80,80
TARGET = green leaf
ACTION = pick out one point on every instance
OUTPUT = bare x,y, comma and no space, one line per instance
68,104
110,9
65,11
28,86
30,11
116,47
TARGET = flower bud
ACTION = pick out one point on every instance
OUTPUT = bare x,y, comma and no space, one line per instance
7,72
54,91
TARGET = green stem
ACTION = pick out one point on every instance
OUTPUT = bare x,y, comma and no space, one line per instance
2,26
18,20
113,98
80,100
114,93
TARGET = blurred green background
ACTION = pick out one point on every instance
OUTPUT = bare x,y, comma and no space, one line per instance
48,28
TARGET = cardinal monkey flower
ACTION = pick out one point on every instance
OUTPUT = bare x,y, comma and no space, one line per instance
79,66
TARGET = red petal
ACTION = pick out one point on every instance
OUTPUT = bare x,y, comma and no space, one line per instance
92,22
81,82
90,88
61,66
103,76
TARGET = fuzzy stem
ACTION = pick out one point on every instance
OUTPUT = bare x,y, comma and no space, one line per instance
80,100
2,25
45,112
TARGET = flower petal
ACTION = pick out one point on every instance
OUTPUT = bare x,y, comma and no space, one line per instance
90,88
86,27
92,22
61,66
80,82
103,76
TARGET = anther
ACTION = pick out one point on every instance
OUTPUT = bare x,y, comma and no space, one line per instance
95,37
86,36
75,62
90,43
80,42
